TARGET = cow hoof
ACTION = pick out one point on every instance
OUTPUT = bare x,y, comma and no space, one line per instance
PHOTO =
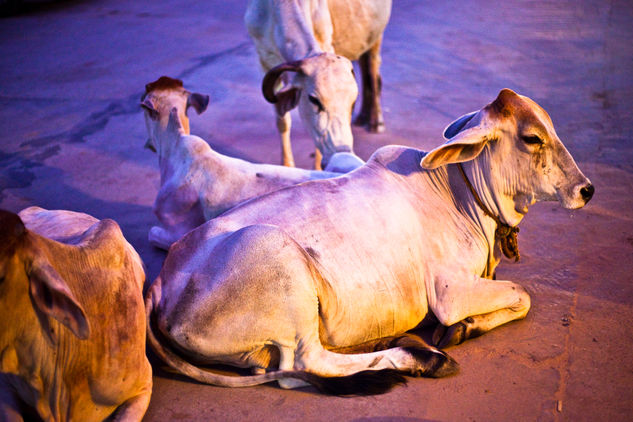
432,363
449,336
372,125
378,127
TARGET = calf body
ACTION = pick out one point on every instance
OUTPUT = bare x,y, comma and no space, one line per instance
72,345
196,182
333,264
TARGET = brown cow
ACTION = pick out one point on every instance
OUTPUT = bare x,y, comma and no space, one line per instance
72,342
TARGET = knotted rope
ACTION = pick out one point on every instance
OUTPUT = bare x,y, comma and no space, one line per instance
505,234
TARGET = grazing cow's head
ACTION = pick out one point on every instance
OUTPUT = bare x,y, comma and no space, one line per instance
28,280
518,153
160,97
324,88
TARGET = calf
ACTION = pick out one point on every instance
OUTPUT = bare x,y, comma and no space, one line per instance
196,182
72,343
286,281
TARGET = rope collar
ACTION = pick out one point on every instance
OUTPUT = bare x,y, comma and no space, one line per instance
505,234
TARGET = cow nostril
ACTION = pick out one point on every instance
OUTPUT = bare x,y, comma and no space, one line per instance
587,192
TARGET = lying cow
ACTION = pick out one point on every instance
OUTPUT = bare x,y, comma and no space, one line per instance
198,183
72,346
284,282
297,43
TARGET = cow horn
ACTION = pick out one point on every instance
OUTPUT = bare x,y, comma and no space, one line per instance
270,79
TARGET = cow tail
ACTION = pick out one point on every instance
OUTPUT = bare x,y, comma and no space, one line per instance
360,383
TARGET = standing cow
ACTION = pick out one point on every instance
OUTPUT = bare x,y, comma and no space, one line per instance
305,46
284,282
72,336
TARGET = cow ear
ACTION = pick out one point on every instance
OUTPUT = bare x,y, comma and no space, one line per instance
287,100
465,146
149,107
51,297
458,125
198,101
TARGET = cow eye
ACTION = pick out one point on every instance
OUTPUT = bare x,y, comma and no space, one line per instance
532,140
314,100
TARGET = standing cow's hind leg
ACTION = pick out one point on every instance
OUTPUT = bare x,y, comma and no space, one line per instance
371,112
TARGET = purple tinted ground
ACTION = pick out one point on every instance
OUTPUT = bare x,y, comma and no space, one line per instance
72,136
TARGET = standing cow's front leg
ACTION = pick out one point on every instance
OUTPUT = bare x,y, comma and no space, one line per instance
284,123
467,309
371,113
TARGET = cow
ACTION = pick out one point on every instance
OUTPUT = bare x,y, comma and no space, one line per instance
305,48
196,182
287,281
72,343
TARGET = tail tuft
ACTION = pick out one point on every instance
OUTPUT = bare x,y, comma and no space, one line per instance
364,383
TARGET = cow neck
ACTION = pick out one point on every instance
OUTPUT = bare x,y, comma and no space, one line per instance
168,143
505,234
298,41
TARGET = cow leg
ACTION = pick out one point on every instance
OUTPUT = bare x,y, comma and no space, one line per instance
178,209
317,159
287,363
404,340
407,360
467,310
284,123
371,112
132,409
160,238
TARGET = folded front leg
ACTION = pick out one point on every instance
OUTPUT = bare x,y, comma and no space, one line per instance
471,306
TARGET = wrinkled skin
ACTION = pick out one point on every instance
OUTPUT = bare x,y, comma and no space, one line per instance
72,345
334,264
285,32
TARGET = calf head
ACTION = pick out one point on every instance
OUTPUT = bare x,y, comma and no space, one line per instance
513,144
28,280
160,97
324,88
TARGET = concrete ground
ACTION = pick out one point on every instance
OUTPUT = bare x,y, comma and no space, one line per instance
72,136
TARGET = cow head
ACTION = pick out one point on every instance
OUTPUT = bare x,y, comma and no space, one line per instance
27,279
160,97
514,147
324,88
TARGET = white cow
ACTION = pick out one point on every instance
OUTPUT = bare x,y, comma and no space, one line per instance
196,182
297,43
72,337
284,282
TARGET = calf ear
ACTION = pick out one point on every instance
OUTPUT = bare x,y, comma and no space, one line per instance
198,101
151,110
52,297
465,146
